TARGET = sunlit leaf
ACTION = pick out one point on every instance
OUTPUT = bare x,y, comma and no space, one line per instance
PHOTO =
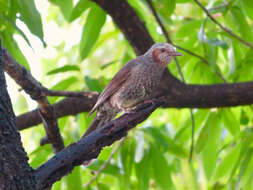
64,69
109,169
91,30
14,50
161,170
31,17
210,151
65,7
230,121
80,7
227,162
74,179
142,170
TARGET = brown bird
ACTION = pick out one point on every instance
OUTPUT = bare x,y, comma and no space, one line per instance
133,85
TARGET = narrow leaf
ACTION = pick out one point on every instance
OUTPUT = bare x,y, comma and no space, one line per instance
63,69
91,30
31,17
80,7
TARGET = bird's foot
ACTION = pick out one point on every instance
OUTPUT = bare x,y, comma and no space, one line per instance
146,104
140,107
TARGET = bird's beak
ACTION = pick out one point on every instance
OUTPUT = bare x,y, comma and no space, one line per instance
178,54
174,54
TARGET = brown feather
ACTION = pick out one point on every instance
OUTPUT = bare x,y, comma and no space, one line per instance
114,84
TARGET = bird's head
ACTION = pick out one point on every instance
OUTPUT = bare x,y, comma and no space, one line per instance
163,53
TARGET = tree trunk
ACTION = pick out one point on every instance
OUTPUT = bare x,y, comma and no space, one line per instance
15,170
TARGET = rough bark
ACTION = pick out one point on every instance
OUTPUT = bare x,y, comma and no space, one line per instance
176,93
32,87
16,174
90,146
68,106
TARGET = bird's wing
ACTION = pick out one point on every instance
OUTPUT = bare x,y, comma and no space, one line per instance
114,84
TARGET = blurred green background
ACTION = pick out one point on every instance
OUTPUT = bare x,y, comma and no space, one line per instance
74,45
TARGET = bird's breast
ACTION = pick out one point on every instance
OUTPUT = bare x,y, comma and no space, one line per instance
137,88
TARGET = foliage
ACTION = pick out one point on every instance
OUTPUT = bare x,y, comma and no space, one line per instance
155,154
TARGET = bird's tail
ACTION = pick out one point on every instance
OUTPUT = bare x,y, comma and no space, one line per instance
100,119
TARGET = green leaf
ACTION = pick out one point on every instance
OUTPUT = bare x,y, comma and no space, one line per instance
165,7
192,25
142,170
245,163
217,42
109,169
31,17
160,139
93,84
189,174
93,25
248,7
13,49
74,179
227,163
21,104
126,154
65,7
64,69
14,26
161,170
244,28
139,151
204,135
80,7
230,121
108,64
40,155
210,152
184,133
64,84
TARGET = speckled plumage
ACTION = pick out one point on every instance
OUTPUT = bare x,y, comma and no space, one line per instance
133,84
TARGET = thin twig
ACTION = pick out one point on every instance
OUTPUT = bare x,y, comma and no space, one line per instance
105,163
178,47
80,94
32,87
178,68
192,135
167,37
223,27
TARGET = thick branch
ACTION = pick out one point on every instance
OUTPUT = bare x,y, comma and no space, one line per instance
176,93
35,90
88,147
180,95
68,106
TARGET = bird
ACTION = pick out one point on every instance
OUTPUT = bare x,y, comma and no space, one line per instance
134,84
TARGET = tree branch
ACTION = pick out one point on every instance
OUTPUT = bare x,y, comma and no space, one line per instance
169,40
34,89
89,146
167,36
227,30
177,94
80,94
65,107
105,163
